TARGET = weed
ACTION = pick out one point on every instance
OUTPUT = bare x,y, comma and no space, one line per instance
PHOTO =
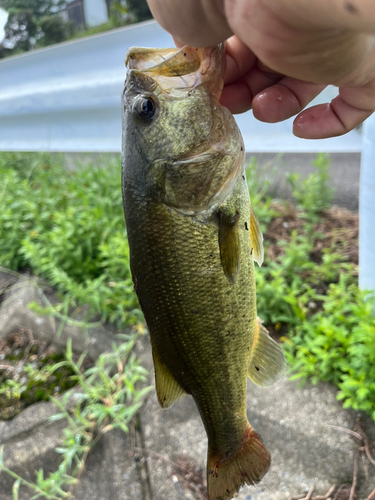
313,298
313,194
69,228
258,193
336,345
30,378
108,399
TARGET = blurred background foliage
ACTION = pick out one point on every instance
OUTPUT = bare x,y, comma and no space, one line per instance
35,24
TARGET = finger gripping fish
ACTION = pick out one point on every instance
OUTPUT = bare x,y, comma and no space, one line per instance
193,239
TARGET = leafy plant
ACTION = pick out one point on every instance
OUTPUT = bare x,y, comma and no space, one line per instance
327,322
289,287
23,382
69,228
109,398
313,194
32,22
337,345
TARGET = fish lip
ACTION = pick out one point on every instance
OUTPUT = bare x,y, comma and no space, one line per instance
182,68
163,61
134,59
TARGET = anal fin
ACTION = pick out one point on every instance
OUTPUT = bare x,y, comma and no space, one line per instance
167,389
267,360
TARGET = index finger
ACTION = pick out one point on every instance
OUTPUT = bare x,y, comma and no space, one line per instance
199,23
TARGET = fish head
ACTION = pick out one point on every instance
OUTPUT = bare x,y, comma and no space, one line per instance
189,148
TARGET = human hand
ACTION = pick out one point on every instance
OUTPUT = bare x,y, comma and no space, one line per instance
282,55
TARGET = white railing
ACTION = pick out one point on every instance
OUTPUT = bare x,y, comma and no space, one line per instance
67,98
367,208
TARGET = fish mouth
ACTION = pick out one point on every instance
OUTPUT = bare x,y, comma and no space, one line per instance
180,69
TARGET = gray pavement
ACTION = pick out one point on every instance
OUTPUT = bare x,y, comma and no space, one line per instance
294,424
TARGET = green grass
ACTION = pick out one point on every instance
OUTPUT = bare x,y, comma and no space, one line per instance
68,226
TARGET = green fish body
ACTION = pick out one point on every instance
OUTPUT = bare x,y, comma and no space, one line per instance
193,238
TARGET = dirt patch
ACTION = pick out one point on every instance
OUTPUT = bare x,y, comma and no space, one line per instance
190,476
27,373
337,226
341,231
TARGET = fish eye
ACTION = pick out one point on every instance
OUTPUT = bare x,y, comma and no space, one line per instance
144,106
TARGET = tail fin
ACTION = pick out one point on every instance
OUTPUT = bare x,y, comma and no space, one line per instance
248,464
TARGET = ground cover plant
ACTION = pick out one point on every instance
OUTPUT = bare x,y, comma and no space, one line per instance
68,227
308,293
108,398
33,24
30,371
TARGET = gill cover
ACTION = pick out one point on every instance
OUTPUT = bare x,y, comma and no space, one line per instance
192,143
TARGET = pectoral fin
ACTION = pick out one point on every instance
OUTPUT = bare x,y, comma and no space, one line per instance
229,243
256,237
267,360
167,389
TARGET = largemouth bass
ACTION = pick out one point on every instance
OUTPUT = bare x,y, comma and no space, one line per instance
193,239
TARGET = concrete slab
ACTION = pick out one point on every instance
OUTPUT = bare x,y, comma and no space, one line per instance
29,442
272,167
112,471
15,313
344,174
